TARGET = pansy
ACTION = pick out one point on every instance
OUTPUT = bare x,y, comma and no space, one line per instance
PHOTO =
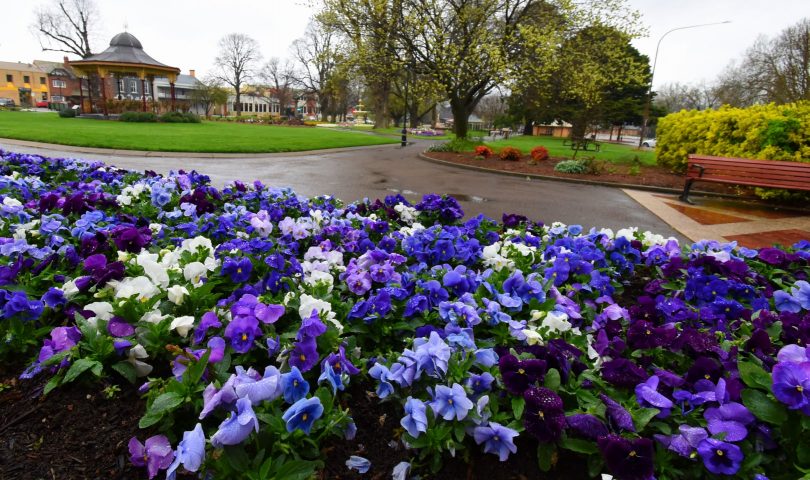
190,452
302,414
415,420
543,416
628,459
237,427
497,439
720,458
293,385
155,454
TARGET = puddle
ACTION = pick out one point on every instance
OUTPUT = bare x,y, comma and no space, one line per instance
468,198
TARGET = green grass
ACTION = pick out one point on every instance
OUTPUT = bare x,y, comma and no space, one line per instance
397,131
212,137
610,152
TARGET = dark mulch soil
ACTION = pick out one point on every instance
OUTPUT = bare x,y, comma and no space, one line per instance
73,433
609,172
77,433
378,425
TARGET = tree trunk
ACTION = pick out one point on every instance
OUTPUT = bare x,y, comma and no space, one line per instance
461,114
413,115
238,103
527,128
434,116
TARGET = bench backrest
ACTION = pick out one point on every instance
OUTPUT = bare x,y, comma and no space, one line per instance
758,173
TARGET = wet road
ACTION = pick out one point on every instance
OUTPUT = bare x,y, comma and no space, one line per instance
379,171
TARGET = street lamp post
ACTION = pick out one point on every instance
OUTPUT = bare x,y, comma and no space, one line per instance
652,75
404,142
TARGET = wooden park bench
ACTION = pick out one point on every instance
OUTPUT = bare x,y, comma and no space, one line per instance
744,171
582,143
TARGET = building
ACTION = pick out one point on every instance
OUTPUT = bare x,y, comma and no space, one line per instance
553,129
63,83
184,87
24,83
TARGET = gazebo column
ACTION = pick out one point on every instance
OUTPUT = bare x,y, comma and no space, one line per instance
81,97
171,86
101,75
143,93
153,92
90,92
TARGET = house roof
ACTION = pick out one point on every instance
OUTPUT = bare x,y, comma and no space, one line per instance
182,81
49,67
25,67
124,48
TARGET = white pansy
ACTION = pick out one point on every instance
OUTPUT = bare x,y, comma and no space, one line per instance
11,202
156,272
309,303
628,233
556,322
191,245
194,271
182,325
607,232
177,294
532,337
317,277
406,213
124,199
135,355
103,311
70,289
123,256
153,317
140,286
155,228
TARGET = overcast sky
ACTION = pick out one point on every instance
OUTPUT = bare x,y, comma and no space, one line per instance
184,33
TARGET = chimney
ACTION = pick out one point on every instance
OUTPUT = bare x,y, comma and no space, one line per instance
192,73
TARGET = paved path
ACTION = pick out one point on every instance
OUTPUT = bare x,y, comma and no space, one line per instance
376,172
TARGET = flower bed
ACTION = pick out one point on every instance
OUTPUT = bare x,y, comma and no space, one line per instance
252,320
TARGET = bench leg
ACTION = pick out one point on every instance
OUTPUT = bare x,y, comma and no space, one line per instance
685,195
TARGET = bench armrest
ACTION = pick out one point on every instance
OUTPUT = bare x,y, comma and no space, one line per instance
701,168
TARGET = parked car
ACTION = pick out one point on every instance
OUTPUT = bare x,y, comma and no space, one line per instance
6,102
649,143
42,104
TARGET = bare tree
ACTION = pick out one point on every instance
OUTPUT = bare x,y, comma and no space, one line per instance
208,94
279,76
66,26
772,70
238,55
674,97
491,107
316,57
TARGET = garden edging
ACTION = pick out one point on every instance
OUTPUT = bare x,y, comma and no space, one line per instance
535,176
160,154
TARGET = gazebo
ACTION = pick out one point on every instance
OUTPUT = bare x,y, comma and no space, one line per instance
124,57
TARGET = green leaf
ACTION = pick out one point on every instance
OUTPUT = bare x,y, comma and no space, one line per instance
165,402
297,470
326,399
518,404
149,419
763,407
195,371
79,366
755,376
52,383
643,417
126,370
579,445
552,381
545,455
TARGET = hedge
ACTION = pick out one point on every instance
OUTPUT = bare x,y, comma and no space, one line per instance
767,132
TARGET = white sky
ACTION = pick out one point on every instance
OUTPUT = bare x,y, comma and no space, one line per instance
184,33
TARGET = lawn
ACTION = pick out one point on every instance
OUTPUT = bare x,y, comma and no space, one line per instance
172,137
609,151
397,131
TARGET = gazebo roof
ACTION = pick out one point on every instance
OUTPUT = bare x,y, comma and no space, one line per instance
124,53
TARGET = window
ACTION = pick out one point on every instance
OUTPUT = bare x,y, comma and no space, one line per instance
57,98
121,87
59,84
42,81
26,79
133,86
44,96
9,78
146,87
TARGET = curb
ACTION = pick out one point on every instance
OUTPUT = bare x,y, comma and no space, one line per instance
158,154
534,176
